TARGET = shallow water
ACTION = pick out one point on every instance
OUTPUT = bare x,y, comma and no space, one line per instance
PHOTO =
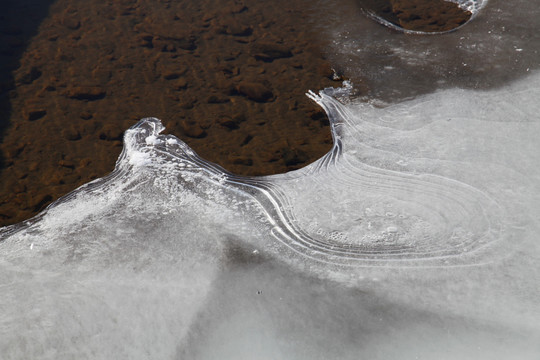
226,77
415,237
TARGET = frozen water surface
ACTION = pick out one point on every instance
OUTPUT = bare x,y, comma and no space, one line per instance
416,237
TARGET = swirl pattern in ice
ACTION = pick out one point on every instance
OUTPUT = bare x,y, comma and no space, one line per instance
370,215
377,198
376,211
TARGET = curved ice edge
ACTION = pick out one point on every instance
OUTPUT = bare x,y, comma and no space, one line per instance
143,141
146,132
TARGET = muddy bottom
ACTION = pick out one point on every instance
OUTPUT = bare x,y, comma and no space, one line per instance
227,77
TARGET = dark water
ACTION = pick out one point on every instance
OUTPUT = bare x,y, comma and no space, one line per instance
228,77
19,21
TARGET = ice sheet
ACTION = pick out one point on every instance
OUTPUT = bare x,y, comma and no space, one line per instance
418,232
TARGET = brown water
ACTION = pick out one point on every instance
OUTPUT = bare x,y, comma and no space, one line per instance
226,76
